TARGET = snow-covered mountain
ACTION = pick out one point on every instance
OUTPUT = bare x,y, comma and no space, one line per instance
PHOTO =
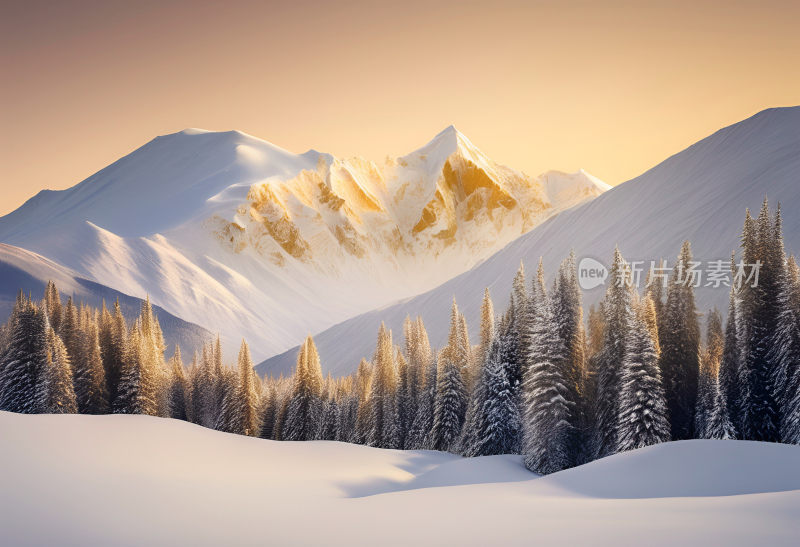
699,194
29,272
244,238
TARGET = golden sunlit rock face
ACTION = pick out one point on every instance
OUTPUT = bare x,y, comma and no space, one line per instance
446,199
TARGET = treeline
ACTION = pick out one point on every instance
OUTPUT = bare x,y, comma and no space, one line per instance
542,381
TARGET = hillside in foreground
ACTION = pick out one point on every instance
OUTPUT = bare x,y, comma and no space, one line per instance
100,480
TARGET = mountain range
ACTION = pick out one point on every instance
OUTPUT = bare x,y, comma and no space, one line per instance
237,236
700,194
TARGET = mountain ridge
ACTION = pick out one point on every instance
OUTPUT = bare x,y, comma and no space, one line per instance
229,231
699,194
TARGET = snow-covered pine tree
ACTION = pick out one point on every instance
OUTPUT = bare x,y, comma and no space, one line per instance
419,437
466,354
709,370
642,418
759,413
384,427
330,410
450,404
790,424
548,431
568,317
205,388
728,377
497,422
228,416
487,326
179,390
304,409
719,425
347,411
712,407
137,391
55,393
680,348
467,443
269,403
25,360
52,305
405,404
618,308
113,348
363,390
284,394
607,363
784,351
89,374
247,396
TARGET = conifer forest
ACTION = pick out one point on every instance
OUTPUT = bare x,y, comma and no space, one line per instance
546,379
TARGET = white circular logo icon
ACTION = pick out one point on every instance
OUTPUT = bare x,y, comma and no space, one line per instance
591,273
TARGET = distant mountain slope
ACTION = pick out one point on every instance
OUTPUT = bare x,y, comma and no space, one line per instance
21,269
699,194
233,233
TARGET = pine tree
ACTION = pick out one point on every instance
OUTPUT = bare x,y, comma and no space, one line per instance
52,306
113,349
790,424
496,421
449,404
419,436
568,318
784,353
227,417
618,308
728,377
54,390
137,390
405,414
304,409
384,429
269,411
708,378
487,326
179,389
246,399
330,411
719,425
548,411
759,412
25,360
363,389
90,375
642,417
680,348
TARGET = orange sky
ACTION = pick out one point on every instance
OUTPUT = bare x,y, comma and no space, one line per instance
612,87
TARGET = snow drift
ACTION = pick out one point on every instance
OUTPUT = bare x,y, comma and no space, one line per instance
100,480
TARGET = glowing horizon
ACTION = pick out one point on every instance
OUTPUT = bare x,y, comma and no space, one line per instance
536,85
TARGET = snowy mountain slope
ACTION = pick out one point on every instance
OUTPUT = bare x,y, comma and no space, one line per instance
242,237
244,491
699,194
21,269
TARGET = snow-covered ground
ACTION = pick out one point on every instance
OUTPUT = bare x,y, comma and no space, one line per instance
699,194
137,480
